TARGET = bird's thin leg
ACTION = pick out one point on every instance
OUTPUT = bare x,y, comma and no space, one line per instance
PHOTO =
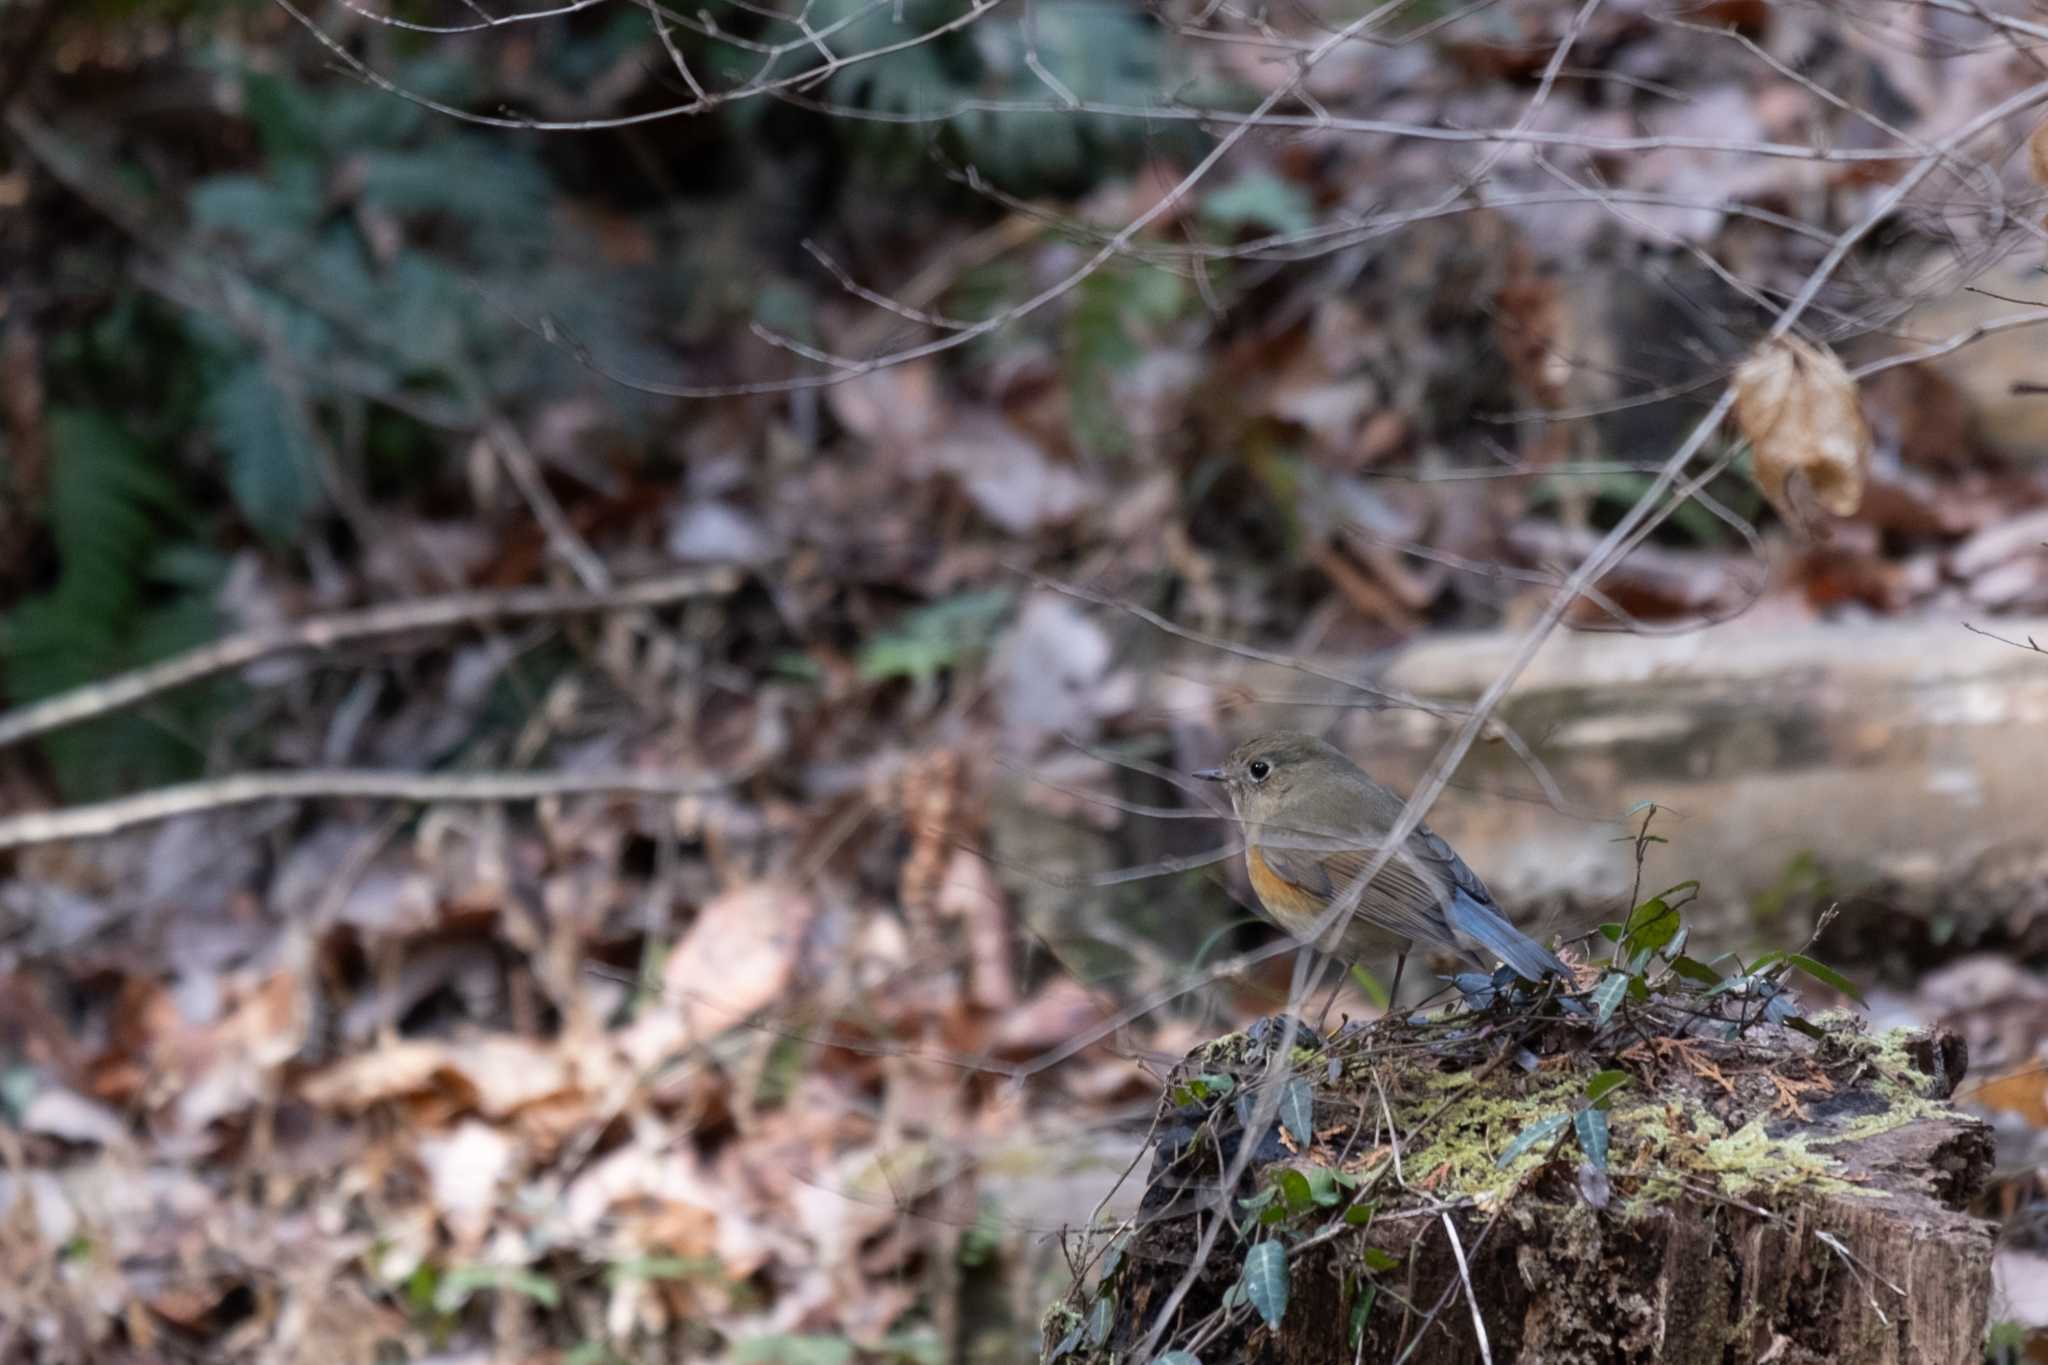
1335,986
1394,991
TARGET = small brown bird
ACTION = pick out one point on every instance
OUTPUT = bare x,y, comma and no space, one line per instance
1313,822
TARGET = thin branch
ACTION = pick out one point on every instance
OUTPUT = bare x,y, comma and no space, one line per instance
324,632
103,818
1471,1300
2029,645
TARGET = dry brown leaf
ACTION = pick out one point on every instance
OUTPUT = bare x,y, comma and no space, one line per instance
2037,152
894,406
1009,477
1064,1009
970,892
67,1115
740,954
2023,1092
464,1167
2016,538
501,1074
1798,408
931,785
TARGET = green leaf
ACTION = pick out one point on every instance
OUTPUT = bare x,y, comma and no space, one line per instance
1591,1123
1199,1088
285,113
1297,1110
1607,995
1695,971
108,502
1650,926
1541,1131
1361,1310
1323,1186
1101,1318
1359,1215
1379,1261
1265,1281
1603,1084
1260,199
261,435
1370,984
270,215
1294,1189
664,1268
1105,334
934,638
1611,931
1178,1358
483,183
113,519
1820,971
1729,984
794,1348
1113,1257
458,1284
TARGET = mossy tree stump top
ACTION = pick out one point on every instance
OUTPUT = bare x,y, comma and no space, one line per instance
1550,1181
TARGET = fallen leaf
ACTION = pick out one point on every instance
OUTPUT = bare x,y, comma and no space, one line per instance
498,1074
1994,545
718,532
896,405
1798,408
970,892
1050,671
1062,1010
65,1114
739,955
464,1168
1012,482
2023,1092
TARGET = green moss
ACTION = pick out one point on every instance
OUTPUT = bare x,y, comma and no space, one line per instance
1219,1054
1468,1140
1897,1077
1751,1161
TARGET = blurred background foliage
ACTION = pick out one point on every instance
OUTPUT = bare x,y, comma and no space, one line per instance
301,295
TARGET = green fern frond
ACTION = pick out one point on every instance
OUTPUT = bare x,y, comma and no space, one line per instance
260,432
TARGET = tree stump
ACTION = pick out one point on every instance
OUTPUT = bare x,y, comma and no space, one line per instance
1437,1198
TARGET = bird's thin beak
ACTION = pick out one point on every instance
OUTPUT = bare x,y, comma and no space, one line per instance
1209,774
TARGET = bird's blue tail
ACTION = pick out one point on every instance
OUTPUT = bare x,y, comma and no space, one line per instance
1483,924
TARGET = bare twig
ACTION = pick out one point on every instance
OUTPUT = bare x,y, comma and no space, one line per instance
192,798
2029,645
1465,1278
325,632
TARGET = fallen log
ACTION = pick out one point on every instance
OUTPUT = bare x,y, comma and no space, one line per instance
1891,766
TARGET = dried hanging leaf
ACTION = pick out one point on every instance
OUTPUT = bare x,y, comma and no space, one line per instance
2037,152
1799,409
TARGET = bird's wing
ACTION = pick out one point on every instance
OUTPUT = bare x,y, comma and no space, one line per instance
1399,899
1429,846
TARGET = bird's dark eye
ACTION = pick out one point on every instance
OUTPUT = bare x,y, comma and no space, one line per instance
1258,768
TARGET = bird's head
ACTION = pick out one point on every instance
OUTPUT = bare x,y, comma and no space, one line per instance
1273,774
